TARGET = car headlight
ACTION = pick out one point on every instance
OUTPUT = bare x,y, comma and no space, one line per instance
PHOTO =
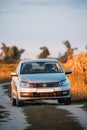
25,84
63,83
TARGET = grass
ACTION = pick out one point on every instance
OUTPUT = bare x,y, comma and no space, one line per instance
5,72
78,87
78,78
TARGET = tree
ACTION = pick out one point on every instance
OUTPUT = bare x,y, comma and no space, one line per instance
67,44
45,52
69,52
10,54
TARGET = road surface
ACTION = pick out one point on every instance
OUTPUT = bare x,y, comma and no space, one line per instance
13,118
76,111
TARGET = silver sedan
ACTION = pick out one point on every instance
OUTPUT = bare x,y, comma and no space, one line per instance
40,79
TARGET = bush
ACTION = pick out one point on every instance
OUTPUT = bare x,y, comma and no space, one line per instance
78,65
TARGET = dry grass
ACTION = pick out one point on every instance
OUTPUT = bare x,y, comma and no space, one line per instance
5,70
78,78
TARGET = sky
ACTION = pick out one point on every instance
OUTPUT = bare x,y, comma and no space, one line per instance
31,24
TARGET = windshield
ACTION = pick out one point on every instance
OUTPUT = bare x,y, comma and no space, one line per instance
40,67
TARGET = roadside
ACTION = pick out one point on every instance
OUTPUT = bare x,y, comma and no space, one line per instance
11,118
77,112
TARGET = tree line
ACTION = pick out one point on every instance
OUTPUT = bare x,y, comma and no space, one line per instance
10,54
62,58
13,54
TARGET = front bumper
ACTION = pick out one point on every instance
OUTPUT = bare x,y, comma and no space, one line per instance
43,95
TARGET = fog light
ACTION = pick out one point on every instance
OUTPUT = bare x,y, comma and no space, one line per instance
26,94
65,92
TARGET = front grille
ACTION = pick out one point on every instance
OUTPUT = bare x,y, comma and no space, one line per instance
41,85
50,94
44,94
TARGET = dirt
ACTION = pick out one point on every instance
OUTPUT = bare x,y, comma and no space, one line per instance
44,116
78,113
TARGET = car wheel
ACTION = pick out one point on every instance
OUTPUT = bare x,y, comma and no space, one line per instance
60,100
67,101
13,101
18,103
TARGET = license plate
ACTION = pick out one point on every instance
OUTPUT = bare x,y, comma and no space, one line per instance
42,90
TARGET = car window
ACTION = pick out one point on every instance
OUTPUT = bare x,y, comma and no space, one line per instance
40,67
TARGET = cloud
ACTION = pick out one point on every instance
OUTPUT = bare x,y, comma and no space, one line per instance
76,3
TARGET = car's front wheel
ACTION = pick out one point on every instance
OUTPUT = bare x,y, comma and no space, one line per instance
18,102
13,101
60,100
67,101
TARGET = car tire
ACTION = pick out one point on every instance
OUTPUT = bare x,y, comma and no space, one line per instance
18,103
13,101
60,100
67,101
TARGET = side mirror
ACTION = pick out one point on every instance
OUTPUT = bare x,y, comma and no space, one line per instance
68,72
14,74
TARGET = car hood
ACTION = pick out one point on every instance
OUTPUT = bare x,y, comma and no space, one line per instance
34,78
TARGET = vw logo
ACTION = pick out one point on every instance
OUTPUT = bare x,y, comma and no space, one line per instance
44,85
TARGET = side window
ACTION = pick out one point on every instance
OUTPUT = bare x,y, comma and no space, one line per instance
59,67
55,68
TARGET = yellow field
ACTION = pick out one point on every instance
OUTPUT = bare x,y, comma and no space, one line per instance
5,72
78,78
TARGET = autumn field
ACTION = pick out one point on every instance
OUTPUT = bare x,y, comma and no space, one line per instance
5,72
78,78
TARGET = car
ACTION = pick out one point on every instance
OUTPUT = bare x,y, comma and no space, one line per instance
40,79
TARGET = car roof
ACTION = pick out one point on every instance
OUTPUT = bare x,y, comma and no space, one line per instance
39,60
